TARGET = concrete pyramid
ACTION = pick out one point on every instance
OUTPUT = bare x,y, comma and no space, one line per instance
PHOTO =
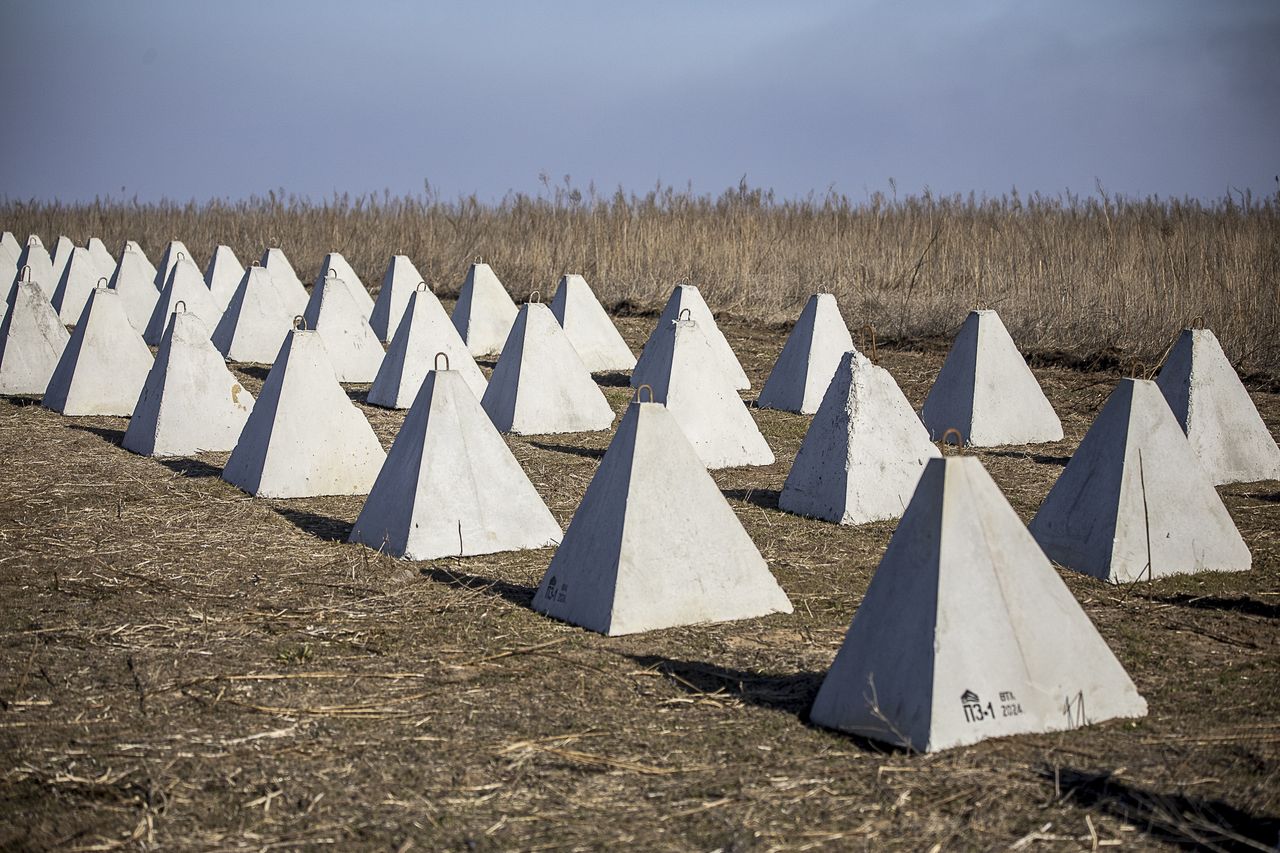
425,329
967,633
102,257
809,358
292,293
305,437
33,265
31,342
654,544
864,451
450,486
986,391
336,266
190,401
223,275
10,249
354,350
398,284
104,365
255,323
589,328
1134,502
687,297
80,276
185,285
685,376
172,252
132,279
540,385
484,312
60,255
1214,410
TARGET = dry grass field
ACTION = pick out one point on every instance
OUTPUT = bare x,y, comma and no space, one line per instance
183,667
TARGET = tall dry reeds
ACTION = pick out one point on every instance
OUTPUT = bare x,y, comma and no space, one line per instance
1079,275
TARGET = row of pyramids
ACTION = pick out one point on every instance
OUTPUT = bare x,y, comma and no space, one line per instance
449,485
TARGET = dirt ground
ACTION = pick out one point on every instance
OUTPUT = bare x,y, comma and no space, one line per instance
185,667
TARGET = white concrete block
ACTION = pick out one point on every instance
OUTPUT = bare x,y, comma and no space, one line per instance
336,266
105,362
133,280
967,633
484,312
353,349
686,297
172,253
223,275
60,255
80,276
185,285
255,324
589,328
809,358
35,266
32,341
292,293
398,284
424,330
102,258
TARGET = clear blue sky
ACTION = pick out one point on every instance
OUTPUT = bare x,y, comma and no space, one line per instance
166,98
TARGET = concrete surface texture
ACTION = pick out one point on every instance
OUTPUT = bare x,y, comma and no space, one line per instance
336,266
79,277
398,283
105,362
424,331
450,486
10,250
223,274
864,451
133,280
34,266
254,326
589,328
60,255
540,385
654,544
685,375
1215,411
292,292
185,285
1134,502
986,391
809,358
484,311
304,437
32,341
168,259
687,297
102,257
353,349
961,634
190,402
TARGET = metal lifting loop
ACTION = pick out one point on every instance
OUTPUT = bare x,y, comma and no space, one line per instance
636,398
439,356
422,287
256,264
299,323
959,442
103,283
1137,369
180,307
331,273
535,296
1197,322
869,331
477,260
33,240
685,314
25,273
181,256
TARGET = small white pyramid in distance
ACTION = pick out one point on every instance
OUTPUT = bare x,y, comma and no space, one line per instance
105,362
809,358
686,297
654,544
864,451
986,391
484,311
172,252
102,258
398,284
255,323
540,385
33,265
336,266
292,293
1214,410
223,275
80,276
190,402
450,486
304,438
967,633
353,349
1134,502
10,249
60,255
187,286
425,330
133,280
32,341
685,376
589,328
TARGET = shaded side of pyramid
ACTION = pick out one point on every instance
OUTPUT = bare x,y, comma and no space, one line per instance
61,253
589,328
292,292
809,358
190,401
961,633
32,341
186,286
80,276
450,486
687,297
222,275
654,544
352,347
105,362
305,437
484,312
1213,408
864,451
132,279
255,323
399,282
1134,502
424,331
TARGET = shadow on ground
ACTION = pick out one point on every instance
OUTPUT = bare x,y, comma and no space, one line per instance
320,526
515,593
612,379
764,498
190,467
1038,458
107,434
589,452
1249,606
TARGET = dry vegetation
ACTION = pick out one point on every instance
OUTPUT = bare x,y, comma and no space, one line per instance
1071,276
